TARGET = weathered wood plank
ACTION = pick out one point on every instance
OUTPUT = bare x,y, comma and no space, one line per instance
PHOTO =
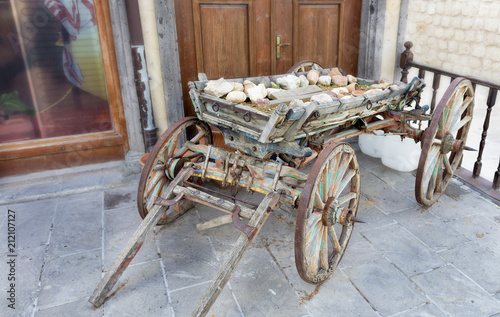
135,243
295,93
215,202
216,222
258,219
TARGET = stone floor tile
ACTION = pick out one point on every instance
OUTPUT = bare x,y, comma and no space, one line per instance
448,209
359,251
79,308
278,236
141,292
185,301
39,187
338,297
385,287
120,197
80,181
456,189
426,310
69,278
119,226
482,230
372,216
477,263
187,255
386,197
7,192
33,221
403,249
257,279
28,265
435,233
456,294
403,181
77,225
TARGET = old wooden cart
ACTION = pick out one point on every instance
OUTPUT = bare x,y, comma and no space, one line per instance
264,151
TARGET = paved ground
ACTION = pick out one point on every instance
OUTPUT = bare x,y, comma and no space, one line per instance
405,261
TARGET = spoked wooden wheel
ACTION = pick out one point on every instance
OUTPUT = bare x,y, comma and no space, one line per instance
166,158
327,209
304,66
444,141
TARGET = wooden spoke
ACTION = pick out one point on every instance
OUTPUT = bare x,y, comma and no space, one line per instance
450,123
324,249
459,125
339,175
154,179
439,176
345,181
344,199
318,249
333,238
447,165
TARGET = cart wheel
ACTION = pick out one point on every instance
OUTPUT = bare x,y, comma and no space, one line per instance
304,66
444,141
154,179
328,205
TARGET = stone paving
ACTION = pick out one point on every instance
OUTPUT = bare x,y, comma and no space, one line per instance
405,261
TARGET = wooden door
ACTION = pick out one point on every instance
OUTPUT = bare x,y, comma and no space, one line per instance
237,38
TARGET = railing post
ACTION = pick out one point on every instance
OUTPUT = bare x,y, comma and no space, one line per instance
435,86
406,57
492,96
496,179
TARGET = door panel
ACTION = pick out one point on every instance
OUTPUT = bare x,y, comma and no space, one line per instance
317,29
223,33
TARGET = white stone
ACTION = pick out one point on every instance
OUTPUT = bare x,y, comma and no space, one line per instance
491,24
340,90
271,91
296,103
288,82
478,51
325,80
446,21
247,84
236,96
237,86
322,98
257,92
313,76
493,53
303,81
467,23
218,88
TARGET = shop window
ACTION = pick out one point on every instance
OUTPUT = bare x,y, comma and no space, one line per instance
52,81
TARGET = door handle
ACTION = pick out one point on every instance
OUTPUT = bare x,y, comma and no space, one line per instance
278,47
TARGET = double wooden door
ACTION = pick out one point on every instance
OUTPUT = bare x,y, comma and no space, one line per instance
243,38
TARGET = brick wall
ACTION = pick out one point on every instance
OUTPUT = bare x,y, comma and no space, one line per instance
458,35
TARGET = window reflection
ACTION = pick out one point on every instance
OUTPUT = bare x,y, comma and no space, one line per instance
51,74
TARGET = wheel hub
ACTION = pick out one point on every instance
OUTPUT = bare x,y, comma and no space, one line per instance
333,213
447,143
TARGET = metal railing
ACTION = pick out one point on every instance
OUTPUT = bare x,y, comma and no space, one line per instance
491,188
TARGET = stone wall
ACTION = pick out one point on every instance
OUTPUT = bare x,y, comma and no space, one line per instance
462,36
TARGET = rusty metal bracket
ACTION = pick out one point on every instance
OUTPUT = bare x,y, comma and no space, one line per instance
248,230
169,202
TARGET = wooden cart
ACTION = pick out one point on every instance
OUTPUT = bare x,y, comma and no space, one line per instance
264,151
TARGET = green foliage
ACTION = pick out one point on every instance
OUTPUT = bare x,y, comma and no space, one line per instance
11,103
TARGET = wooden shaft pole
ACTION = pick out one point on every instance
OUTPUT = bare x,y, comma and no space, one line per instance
258,219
